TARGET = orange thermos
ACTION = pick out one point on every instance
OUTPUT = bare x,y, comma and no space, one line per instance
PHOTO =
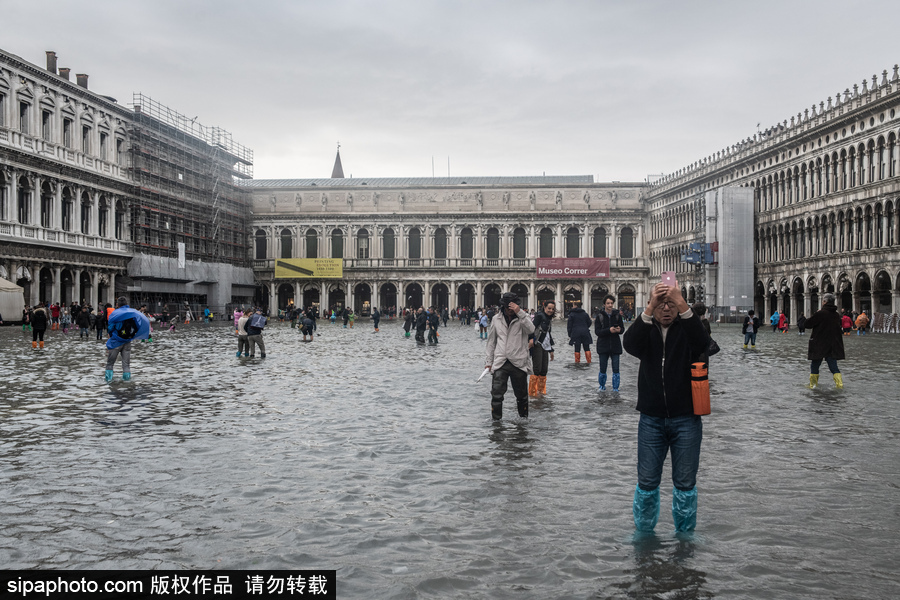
700,388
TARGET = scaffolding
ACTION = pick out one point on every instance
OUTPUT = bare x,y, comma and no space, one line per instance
186,175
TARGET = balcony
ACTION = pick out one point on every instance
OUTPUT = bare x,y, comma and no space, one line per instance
513,264
50,238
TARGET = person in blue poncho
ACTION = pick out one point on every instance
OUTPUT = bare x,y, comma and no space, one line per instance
124,325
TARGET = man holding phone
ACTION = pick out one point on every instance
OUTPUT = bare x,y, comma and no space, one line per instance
667,337
507,354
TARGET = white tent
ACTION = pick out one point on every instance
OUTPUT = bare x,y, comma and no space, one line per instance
12,301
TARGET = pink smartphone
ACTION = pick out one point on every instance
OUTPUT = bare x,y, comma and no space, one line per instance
668,278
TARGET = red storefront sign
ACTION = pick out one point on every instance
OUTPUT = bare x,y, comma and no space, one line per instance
573,268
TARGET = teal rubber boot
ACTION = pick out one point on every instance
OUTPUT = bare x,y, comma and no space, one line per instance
616,381
645,509
108,375
238,353
126,376
602,380
684,509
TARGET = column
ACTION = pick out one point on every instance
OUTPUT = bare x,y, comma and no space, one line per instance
504,286
95,291
614,241
451,290
55,294
323,297
426,294
560,299
112,288
35,284
13,208
298,301
479,300
94,225
560,249
532,295
273,300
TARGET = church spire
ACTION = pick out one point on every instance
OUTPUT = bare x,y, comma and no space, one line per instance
338,171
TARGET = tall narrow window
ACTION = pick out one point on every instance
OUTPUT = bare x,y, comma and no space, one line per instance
415,243
46,206
440,243
573,249
23,117
466,244
312,243
85,213
546,243
103,145
387,241
120,149
337,244
46,116
627,243
85,139
261,249
67,133
2,110
600,242
287,245
24,195
493,243
519,243
103,217
120,220
362,243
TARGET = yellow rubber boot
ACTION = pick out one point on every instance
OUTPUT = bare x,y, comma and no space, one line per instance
532,386
813,381
838,381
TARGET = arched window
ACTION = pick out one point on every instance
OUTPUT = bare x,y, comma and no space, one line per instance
493,243
85,213
626,248
440,243
287,246
120,220
337,243
362,243
519,244
312,243
387,239
261,249
466,244
415,243
546,243
103,217
600,242
573,243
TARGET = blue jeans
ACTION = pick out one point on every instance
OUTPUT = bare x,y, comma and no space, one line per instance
832,366
656,435
750,338
603,358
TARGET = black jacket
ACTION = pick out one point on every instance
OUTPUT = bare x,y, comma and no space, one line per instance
421,321
608,343
542,323
826,339
665,391
579,325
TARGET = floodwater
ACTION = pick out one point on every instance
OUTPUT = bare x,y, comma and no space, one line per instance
366,453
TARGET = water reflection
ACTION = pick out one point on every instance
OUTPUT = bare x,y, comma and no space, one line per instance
662,570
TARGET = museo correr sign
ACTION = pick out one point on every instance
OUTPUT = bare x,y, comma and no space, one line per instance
573,268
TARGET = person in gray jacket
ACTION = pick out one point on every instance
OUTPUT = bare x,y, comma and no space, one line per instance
507,354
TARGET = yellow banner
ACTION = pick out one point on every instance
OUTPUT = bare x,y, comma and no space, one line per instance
309,268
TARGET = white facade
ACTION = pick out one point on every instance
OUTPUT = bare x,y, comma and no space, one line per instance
446,242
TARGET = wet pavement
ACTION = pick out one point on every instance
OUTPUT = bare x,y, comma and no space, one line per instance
366,453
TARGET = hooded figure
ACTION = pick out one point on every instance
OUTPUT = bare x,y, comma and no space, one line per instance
825,342
124,325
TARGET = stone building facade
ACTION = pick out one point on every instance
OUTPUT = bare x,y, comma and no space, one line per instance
825,190
98,200
63,185
448,241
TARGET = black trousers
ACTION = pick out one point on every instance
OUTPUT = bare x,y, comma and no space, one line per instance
500,381
540,359
420,335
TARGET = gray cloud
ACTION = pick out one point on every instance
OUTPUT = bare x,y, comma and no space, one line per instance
613,89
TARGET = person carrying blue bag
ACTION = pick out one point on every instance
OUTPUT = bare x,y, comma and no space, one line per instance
124,325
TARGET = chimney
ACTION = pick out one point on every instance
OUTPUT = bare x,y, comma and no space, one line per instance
51,61
64,73
82,78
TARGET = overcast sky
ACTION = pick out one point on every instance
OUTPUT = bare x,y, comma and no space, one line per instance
617,90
